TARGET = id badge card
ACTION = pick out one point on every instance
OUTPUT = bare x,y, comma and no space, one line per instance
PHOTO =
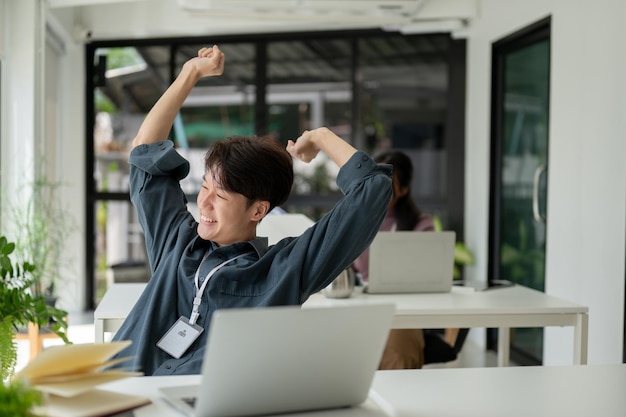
179,337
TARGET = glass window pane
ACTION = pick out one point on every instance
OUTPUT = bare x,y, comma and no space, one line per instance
135,79
403,89
127,85
120,251
309,86
218,107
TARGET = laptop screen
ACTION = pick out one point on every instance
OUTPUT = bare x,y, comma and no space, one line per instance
413,262
286,359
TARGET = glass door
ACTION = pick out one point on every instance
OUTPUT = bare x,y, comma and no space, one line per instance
520,106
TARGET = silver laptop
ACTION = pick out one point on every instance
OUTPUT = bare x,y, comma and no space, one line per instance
286,359
411,262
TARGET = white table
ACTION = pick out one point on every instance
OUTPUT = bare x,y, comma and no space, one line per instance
114,307
501,308
541,391
149,387
546,391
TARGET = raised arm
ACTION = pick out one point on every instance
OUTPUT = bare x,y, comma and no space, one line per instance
158,122
308,145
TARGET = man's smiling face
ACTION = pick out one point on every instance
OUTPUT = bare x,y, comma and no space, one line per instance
226,217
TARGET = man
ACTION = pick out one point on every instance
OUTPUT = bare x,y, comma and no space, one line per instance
219,262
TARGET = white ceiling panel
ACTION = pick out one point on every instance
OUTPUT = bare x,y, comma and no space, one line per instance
105,19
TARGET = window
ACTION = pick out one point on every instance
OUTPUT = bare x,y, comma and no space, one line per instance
375,89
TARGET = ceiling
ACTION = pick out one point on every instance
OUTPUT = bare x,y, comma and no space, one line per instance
115,19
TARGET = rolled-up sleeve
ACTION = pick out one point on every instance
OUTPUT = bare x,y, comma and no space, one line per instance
339,237
155,174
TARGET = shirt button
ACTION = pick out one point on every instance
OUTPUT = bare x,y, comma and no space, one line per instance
358,165
168,366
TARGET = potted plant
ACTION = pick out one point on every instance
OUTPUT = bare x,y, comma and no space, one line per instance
19,305
462,255
18,399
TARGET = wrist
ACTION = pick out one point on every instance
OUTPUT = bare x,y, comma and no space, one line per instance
320,135
190,72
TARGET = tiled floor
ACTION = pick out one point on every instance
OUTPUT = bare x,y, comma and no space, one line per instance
81,330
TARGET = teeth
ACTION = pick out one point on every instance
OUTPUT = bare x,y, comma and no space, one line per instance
207,219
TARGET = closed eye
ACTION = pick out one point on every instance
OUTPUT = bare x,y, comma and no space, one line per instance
219,191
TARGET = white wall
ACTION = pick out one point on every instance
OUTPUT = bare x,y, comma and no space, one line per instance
27,133
587,174
21,70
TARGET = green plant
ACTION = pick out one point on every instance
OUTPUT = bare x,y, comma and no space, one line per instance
462,255
521,260
18,399
20,306
42,225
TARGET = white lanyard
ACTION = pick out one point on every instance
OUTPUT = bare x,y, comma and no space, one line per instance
200,289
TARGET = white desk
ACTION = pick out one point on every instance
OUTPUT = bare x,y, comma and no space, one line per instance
572,391
501,308
114,308
542,391
149,387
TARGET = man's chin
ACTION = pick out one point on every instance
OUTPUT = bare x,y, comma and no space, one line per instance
204,233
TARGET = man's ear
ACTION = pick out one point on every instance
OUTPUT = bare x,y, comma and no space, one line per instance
261,208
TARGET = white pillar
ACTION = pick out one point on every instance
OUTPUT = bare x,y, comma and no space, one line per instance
25,132
23,48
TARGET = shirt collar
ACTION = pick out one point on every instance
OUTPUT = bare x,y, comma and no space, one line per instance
260,245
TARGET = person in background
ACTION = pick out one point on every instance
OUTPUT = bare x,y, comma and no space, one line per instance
405,347
219,262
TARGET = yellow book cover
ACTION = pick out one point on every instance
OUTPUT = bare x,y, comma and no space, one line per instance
69,374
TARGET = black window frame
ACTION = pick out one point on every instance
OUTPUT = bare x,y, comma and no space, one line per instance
454,135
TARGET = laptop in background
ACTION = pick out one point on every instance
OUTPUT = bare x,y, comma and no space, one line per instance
287,359
411,262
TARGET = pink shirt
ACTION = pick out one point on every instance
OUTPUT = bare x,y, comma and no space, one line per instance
424,224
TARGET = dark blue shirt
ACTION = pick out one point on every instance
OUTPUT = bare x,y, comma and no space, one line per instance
286,273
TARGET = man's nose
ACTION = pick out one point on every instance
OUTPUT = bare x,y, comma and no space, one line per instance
207,197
